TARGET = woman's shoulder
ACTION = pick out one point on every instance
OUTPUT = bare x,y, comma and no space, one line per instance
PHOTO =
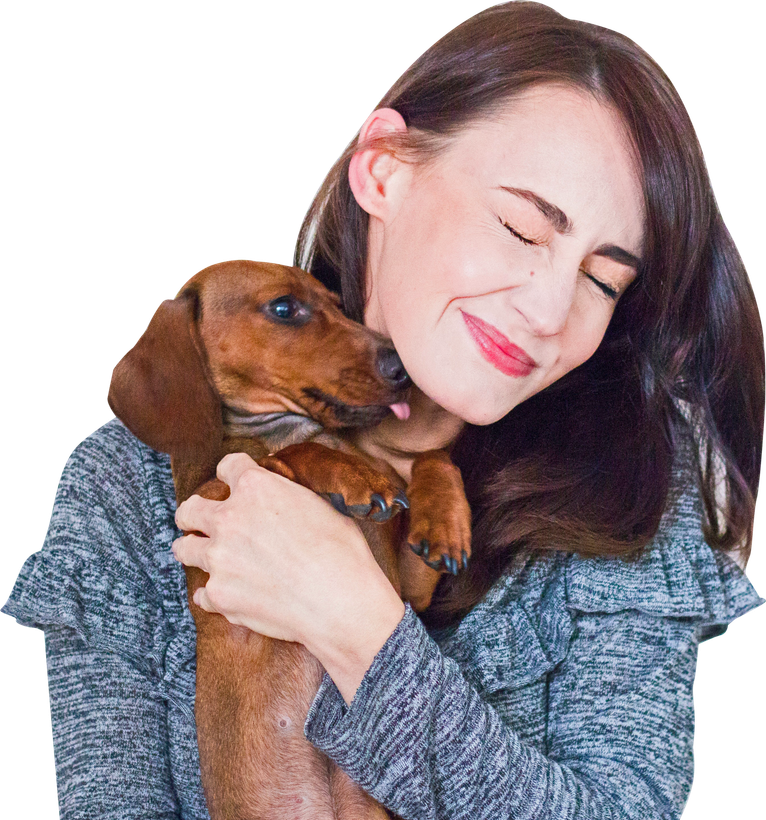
523,627
113,466
105,569
678,575
115,499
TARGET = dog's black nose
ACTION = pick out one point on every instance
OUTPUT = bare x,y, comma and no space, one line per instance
391,368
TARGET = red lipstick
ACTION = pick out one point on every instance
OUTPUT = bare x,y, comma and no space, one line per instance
498,350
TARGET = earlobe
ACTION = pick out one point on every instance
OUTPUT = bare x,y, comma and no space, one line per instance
372,169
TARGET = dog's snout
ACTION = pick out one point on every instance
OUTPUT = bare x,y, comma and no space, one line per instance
391,368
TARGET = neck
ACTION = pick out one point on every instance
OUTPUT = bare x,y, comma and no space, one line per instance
276,430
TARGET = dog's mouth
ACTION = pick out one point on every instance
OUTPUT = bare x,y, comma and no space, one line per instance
401,410
349,415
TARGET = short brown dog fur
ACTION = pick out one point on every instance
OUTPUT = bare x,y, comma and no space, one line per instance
258,358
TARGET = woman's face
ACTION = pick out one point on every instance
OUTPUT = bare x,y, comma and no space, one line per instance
496,268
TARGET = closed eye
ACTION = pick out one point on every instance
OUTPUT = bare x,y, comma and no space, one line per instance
606,289
526,240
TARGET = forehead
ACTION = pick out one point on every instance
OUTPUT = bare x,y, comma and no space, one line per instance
573,121
563,144
232,285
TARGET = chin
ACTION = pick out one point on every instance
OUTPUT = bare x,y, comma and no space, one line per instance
471,409
481,410
479,402
481,419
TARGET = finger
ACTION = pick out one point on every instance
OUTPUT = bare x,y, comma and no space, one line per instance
195,514
191,551
232,467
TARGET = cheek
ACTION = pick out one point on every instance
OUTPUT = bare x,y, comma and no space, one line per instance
581,341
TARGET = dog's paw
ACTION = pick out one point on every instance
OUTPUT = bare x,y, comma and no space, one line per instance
440,518
377,506
349,482
442,544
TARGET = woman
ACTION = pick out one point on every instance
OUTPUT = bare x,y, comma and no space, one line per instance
547,195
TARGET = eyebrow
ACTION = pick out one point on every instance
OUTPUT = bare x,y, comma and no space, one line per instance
619,255
563,224
560,221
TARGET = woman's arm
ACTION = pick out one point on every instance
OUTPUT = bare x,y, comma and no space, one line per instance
110,735
112,608
417,735
422,741
284,563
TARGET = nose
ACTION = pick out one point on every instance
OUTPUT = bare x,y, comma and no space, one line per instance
546,299
391,368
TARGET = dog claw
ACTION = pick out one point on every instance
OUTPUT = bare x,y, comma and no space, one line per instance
437,564
384,513
445,562
337,501
376,510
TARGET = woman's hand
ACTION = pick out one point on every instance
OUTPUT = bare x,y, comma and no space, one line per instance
284,563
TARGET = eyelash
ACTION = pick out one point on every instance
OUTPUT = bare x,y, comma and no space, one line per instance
518,236
610,292
602,286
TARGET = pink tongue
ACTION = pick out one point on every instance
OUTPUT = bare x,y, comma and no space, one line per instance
401,410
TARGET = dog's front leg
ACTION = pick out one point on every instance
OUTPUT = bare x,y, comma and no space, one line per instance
346,480
439,527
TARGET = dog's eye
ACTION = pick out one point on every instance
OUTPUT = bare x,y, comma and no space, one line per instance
287,310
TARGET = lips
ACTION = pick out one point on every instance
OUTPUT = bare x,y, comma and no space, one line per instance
498,350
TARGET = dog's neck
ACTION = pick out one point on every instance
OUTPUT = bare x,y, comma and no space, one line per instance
275,430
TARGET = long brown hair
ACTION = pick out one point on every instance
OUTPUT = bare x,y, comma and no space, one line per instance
585,465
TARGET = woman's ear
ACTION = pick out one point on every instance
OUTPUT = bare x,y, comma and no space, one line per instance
373,173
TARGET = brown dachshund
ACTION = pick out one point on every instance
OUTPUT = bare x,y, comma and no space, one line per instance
258,358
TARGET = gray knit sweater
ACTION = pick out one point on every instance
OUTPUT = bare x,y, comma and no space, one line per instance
566,693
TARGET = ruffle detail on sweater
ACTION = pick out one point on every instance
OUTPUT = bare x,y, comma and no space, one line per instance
106,570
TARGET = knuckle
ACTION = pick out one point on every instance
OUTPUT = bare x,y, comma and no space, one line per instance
191,504
187,510
213,561
250,479
226,518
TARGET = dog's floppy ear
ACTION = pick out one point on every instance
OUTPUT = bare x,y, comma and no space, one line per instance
160,390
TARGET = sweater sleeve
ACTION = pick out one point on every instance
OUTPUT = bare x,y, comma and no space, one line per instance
102,592
609,648
110,735
620,731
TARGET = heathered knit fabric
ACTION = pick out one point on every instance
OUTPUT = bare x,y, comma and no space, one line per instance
566,693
